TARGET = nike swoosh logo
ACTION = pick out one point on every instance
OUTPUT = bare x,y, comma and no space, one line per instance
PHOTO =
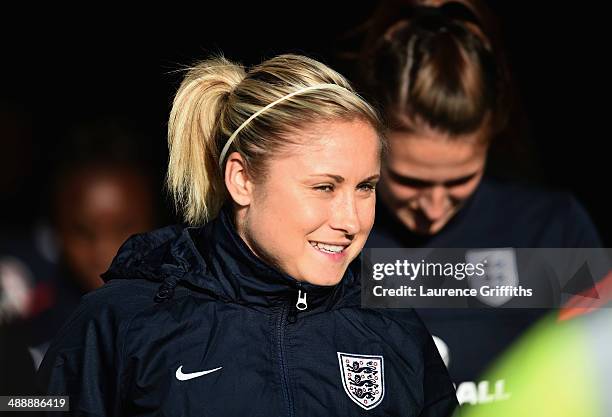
184,377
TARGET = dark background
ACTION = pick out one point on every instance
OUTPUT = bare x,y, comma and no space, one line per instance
60,67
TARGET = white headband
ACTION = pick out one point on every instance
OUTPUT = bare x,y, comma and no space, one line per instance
263,109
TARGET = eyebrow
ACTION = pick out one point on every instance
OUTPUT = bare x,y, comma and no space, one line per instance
340,179
419,183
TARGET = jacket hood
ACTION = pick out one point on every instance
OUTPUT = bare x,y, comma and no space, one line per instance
213,259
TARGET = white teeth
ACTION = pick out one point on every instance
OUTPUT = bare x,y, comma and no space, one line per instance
323,247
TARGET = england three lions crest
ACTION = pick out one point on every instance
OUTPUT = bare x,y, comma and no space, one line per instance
501,269
363,378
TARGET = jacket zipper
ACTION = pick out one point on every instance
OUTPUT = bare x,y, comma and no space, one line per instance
291,317
283,363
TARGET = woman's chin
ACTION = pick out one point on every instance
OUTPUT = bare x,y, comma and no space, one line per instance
323,278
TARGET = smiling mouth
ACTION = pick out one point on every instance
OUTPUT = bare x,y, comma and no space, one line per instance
327,247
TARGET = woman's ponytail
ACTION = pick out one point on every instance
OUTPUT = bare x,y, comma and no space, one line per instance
194,177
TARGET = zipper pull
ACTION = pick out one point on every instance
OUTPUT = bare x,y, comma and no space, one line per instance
301,305
301,301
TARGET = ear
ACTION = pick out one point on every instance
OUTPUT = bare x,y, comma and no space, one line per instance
237,180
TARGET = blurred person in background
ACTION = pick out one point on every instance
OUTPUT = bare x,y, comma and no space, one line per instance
101,193
438,73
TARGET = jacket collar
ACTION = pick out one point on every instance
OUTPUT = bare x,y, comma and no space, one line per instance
214,259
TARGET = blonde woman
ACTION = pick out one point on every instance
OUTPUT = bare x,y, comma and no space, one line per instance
254,310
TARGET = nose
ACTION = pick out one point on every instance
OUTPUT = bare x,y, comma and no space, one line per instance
434,202
345,215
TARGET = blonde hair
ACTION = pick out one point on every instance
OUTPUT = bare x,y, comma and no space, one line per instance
217,96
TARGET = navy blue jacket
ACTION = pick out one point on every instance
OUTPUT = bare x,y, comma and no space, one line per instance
190,322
